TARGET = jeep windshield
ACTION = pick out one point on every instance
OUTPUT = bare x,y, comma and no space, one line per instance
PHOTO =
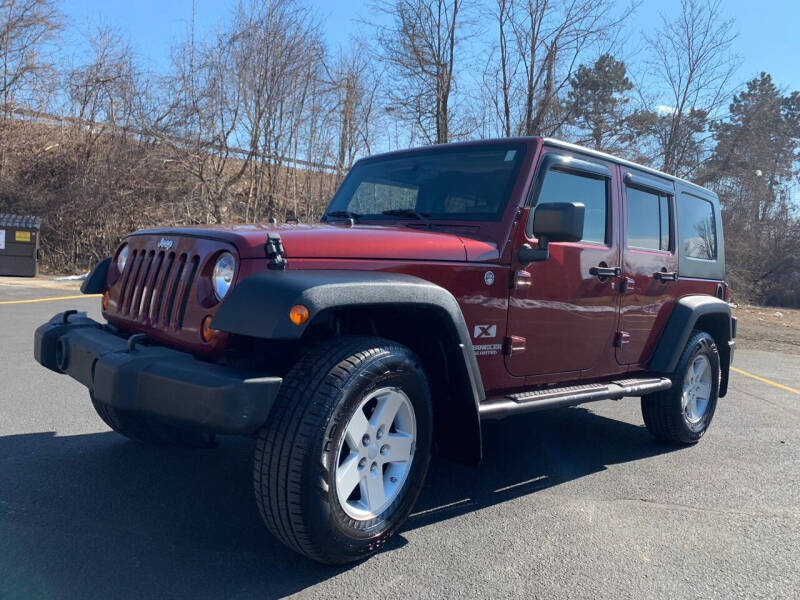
467,183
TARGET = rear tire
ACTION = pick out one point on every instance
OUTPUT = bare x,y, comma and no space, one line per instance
344,454
683,413
150,431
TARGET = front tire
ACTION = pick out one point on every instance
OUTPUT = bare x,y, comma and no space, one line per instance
683,413
343,456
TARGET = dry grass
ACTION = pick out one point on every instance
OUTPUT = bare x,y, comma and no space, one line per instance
40,282
775,329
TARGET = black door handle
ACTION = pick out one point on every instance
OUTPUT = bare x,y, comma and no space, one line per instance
605,271
666,276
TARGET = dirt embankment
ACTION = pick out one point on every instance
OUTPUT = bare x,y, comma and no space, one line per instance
775,329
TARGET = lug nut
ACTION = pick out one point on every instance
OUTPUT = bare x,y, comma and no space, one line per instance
365,439
362,463
385,449
374,468
380,432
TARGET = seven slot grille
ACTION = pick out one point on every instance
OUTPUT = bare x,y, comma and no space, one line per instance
156,287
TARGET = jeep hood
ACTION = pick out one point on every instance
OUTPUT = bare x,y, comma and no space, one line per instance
342,242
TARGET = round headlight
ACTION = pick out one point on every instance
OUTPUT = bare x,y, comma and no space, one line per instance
122,257
223,274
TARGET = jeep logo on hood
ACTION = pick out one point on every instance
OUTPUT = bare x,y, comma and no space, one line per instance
165,244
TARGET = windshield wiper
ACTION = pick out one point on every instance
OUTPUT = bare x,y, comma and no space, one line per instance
343,214
407,212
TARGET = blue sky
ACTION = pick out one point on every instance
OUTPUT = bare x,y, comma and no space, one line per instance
768,38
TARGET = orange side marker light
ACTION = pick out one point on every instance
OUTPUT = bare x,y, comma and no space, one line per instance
298,314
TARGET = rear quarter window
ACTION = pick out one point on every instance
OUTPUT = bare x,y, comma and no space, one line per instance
700,242
697,227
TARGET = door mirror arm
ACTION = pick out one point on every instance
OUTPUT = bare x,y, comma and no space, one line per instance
553,221
528,254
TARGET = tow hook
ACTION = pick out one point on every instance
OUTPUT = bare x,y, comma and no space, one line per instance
133,340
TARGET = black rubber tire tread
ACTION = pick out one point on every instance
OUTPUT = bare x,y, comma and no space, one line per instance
146,431
662,411
307,397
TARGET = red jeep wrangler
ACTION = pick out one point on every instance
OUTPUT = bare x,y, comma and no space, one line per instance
445,285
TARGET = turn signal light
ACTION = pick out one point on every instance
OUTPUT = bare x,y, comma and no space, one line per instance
206,331
298,314
105,300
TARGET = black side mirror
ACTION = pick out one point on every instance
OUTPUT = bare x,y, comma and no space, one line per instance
559,221
554,222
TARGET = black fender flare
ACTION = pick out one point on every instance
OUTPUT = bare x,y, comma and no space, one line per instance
686,314
259,305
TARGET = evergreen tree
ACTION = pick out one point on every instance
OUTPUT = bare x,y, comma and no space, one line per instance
597,102
754,168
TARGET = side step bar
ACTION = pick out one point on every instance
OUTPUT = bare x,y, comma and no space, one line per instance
497,408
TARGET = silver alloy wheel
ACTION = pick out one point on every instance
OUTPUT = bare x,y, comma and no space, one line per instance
375,453
697,389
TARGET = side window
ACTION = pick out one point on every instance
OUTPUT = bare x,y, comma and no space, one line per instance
698,230
648,219
560,186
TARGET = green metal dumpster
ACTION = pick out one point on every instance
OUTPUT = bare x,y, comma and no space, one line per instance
19,245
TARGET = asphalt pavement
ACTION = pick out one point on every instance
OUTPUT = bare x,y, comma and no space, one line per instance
572,503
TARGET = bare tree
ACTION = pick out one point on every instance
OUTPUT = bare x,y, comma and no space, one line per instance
201,113
277,55
237,105
540,44
691,67
26,26
259,119
354,86
105,90
91,173
419,48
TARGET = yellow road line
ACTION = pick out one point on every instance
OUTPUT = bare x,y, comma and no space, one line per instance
767,381
50,299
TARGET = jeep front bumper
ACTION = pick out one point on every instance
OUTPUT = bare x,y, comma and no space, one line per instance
160,382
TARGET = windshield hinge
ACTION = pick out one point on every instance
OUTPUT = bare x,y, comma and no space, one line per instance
275,252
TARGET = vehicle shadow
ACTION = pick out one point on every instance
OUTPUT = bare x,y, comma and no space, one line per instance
96,516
